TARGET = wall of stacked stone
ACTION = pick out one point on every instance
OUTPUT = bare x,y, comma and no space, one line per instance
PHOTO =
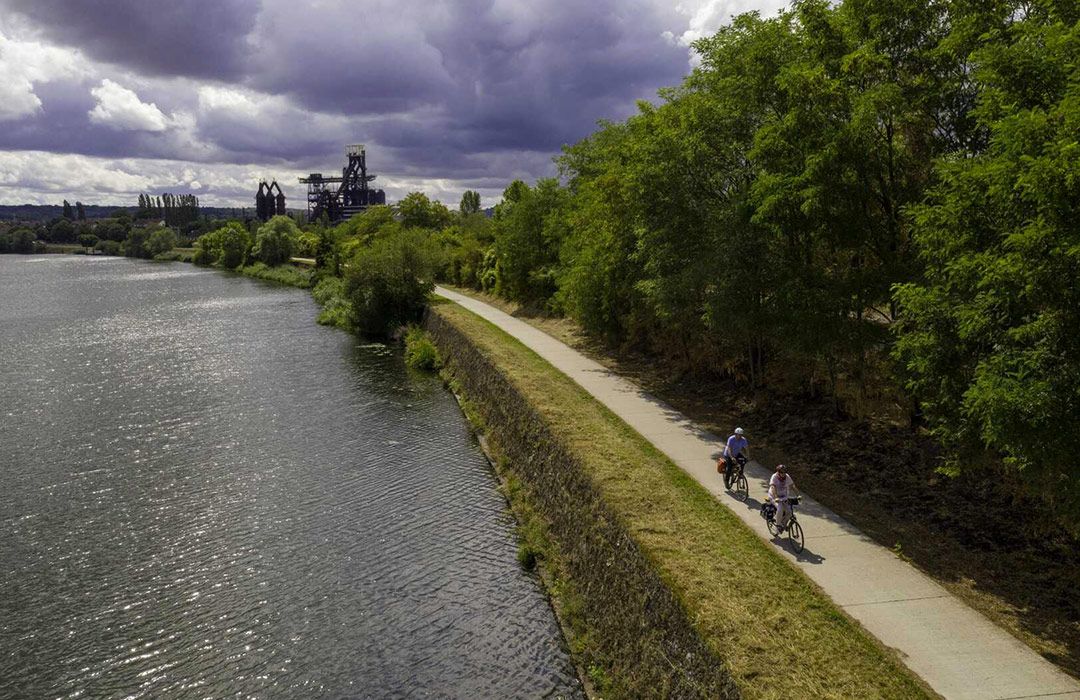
637,626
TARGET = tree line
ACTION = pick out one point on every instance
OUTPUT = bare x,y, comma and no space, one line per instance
174,209
873,192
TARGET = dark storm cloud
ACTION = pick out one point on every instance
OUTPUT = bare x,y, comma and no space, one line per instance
472,91
487,75
197,38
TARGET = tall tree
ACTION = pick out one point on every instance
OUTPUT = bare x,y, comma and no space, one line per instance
990,339
470,202
68,213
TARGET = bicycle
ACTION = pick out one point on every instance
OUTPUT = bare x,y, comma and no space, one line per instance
793,528
738,477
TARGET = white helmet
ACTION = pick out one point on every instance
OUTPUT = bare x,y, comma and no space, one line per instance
738,431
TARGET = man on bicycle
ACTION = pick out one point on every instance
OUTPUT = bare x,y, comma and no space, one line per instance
780,488
736,445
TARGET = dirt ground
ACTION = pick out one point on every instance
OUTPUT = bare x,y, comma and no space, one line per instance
972,534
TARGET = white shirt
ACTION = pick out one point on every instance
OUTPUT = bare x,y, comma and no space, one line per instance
781,486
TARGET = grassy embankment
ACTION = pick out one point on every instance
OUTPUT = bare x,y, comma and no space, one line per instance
779,634
978,539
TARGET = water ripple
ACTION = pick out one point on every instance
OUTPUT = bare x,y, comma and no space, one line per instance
204,493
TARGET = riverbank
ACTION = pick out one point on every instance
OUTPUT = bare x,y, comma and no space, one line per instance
662,567
979,540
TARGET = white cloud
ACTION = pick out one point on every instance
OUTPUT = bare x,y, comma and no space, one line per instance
120,108
25,63
707,16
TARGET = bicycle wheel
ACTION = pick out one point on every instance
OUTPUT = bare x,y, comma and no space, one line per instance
795,534
773,530
742,489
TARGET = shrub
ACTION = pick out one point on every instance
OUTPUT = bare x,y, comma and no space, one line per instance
284,274
420,352
135,244
108,247
227,246
161,241
388,283
329,293
274,241
22,241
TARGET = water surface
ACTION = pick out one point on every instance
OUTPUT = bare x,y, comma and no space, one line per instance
204,493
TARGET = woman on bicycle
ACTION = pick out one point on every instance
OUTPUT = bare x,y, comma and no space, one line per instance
780,488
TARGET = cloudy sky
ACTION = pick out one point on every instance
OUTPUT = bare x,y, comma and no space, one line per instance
103,99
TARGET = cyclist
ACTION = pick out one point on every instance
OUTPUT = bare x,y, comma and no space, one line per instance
780,487
736,445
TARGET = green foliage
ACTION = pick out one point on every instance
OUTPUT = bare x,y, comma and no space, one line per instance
160,241
417,211
275,241
330,294
135,243
420,352
529,229
22,240
88,240
113,229
108,247
227,246
388,283
990,338
282,274
5,242
63,231
470,202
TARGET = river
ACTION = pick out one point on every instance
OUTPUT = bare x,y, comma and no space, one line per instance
203,493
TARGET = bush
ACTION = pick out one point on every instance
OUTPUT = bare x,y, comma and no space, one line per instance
275,240
388,284
227,246
22,241
284,274
88,240
161,241
329,293
135,244
108,247
420,352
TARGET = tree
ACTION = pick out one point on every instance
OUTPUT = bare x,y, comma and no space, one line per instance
68,213
22,240
388,283
227,246
470,202
80,212
274,241
160,241
87,240
417,211
63,231
990,337
135,243
528,234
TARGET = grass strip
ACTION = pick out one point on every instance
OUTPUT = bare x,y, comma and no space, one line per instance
283,274
779,633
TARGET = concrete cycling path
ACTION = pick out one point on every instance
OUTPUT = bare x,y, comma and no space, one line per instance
956,650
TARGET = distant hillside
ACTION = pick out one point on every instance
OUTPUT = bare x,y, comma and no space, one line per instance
45,212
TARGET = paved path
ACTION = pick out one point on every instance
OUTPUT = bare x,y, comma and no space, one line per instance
956,650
